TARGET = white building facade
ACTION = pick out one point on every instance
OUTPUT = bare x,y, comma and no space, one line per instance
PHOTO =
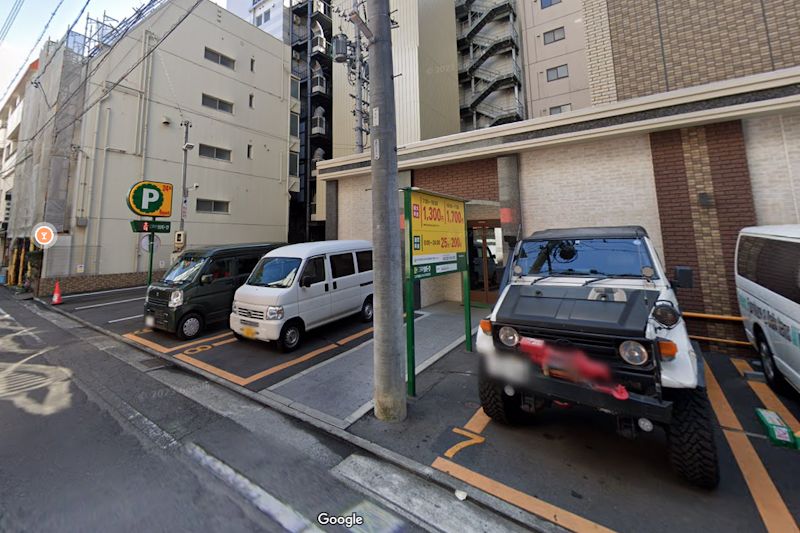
230,80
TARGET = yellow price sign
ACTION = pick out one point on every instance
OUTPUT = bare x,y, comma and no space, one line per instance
438,234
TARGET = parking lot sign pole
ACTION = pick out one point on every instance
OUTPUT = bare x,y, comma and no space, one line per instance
151,240
435,245
411,375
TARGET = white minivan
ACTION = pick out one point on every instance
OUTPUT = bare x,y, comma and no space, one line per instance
296,288
768,290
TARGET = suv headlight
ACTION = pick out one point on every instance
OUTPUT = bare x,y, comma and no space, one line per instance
666,314
634,353
274,312
508,336
176,299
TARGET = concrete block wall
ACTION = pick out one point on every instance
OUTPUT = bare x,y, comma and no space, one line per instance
89,283
773,159
607,182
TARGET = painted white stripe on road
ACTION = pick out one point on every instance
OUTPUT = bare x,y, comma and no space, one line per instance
108,303
126,318
268,504
102,292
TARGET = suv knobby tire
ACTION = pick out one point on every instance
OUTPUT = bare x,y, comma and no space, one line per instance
690,436
498,405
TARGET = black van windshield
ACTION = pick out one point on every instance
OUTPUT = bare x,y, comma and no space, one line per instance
274,272
586,257
185,269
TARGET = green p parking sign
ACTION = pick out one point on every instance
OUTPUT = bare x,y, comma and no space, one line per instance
151,199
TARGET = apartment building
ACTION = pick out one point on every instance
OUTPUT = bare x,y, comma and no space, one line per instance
11,111
133,93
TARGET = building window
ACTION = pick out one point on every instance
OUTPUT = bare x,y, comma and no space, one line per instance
215,103
221,59
252,65
555,110
294,125
294,163
258,20
548,3
267,15
212,206
7,212
557,73
295,88
554,35
251,100
215,153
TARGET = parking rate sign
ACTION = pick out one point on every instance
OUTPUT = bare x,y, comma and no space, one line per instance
151,199
438,235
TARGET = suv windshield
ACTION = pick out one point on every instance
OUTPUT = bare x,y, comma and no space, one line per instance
588,257
274,272
184,269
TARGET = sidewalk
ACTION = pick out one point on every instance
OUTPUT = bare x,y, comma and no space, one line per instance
339,390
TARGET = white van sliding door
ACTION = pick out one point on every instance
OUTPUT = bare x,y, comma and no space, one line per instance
314,302
346,286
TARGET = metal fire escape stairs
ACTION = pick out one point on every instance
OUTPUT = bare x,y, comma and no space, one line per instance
476,49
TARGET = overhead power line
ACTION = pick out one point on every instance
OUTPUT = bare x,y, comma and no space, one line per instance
63,41
27,57
12,15
113,85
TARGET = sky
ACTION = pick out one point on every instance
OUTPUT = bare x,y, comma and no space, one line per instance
32,17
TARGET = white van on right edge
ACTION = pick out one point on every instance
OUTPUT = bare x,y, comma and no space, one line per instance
768,290
296,288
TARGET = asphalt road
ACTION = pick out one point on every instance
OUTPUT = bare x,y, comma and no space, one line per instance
97,436
571,466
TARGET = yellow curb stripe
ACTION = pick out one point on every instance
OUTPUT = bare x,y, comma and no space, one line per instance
533,505
770,505
355,336
233,378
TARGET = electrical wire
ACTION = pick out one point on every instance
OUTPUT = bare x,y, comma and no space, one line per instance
12,15
27,57
62,42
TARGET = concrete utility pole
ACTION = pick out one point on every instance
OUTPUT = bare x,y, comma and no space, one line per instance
389,345
185,191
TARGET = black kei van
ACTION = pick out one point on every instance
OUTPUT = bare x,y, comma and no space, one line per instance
198,288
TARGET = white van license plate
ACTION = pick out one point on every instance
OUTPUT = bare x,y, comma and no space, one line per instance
249,332
149,321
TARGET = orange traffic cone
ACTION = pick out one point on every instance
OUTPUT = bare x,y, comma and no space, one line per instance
57,294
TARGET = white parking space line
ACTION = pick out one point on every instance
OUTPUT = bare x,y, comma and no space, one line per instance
109,291
126,318
108,303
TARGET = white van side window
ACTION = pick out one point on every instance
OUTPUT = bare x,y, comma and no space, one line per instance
771,263
342,265
364,259
315,269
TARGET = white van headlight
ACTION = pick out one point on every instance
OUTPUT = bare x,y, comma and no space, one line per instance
274,312
634,353
176,299
235,307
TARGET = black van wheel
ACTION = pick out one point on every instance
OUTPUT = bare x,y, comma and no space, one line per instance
291,335
190,326
771,373
498,405
367,310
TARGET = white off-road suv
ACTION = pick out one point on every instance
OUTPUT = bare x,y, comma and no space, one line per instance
589,317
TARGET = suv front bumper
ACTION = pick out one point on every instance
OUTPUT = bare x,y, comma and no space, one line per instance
528,379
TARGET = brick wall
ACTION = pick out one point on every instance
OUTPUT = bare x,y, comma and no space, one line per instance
705,198
599,52
90,283
660,46
473,180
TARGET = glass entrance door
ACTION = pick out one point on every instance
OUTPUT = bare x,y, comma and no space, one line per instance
486,261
